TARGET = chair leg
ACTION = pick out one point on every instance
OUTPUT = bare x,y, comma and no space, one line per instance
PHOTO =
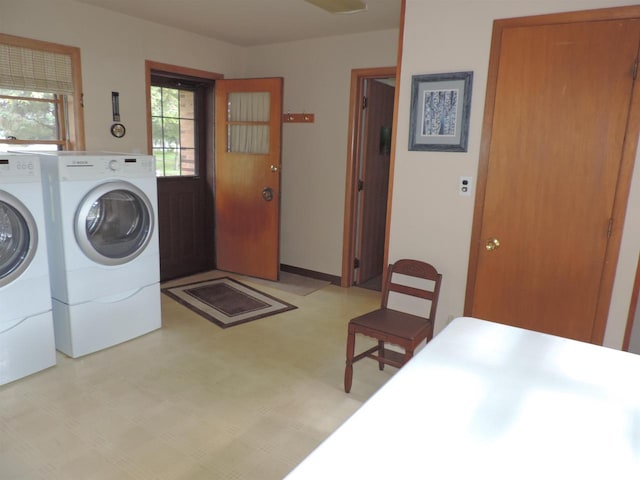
380,354
408,354
348,370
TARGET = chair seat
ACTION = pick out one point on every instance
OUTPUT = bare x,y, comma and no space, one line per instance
393,323
406,278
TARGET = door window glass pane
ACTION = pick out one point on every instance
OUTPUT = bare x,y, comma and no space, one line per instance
187,161
248,107
248,122
173,128
249,139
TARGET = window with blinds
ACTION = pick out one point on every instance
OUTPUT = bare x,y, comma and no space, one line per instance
40,95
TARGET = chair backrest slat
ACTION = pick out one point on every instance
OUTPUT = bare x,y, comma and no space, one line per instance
413,291
417,269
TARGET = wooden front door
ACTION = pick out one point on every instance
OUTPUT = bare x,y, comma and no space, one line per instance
558,105
247,176
376,155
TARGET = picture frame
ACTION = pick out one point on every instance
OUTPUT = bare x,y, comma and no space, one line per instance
440,110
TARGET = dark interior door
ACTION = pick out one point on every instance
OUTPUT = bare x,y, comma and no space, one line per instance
181,117
376,156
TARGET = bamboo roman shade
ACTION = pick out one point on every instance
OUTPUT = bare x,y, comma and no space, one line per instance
35,70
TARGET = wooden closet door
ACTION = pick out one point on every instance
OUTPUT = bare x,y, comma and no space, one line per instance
557,132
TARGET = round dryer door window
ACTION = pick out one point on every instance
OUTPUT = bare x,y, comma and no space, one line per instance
114,223
18,238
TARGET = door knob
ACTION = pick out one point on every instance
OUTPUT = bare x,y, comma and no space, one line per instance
492,244
267,194
274,168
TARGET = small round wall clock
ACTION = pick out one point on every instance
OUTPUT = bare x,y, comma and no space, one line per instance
118,130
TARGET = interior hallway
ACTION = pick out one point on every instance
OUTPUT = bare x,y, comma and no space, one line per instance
192,401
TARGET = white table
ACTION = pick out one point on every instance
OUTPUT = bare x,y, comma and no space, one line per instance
489,401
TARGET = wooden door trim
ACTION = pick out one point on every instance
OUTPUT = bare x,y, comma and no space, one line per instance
205,140
348,242
620,203
358,76
150,66
392,160
483,164
626,165
632,310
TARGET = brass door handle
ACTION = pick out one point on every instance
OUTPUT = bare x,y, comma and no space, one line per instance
492,244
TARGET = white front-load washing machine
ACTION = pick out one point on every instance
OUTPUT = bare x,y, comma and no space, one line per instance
26,326
103,248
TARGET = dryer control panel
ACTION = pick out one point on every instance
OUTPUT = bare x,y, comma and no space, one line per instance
128,165
84,166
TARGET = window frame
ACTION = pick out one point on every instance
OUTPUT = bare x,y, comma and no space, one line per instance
71,135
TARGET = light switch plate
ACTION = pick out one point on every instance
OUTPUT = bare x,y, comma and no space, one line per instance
465,186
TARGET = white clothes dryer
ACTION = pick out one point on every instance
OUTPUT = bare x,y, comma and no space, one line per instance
103,248
26,325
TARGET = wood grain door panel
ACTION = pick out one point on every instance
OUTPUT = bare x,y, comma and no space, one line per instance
248,225
562,100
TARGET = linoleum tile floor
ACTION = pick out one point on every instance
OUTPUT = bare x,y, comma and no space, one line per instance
192,400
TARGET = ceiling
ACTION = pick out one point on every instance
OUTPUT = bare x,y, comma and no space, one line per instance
256,22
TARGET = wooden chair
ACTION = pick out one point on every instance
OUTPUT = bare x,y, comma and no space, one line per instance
392,326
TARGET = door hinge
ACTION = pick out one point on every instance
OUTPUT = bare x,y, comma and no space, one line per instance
360,185
610,228
356,263
365,102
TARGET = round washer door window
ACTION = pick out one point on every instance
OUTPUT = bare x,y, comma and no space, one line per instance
114,223
18,238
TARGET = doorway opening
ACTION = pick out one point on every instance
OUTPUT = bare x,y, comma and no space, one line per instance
180,116
371,110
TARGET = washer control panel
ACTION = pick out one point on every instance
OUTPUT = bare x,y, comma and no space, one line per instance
19,168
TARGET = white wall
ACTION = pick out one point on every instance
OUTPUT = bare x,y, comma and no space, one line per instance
430,220
114,48
317,76
317,80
